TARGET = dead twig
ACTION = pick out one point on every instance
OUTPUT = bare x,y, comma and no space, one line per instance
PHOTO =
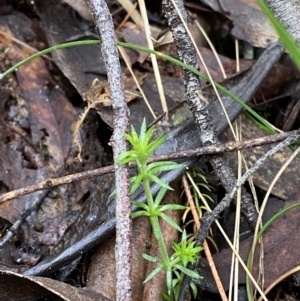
205,245
209,217
104,24
230,146
198,106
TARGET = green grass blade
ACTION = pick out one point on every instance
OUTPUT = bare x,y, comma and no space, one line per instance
139,48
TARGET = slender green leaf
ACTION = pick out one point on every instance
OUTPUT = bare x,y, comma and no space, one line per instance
170,221
153,273
177,274
140,213
141,205
172,207
159,197
159,182
136,183
134,134
202,176
165,163
130,139
194,289
166,297
149,257
208,197
125,161
206,186
124,156
175,282
143,131
183,237
162,167
148,136
153,145
161,163
188,272
169,280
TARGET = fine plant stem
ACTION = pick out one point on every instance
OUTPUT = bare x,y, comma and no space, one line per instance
148,193
158,235
155,224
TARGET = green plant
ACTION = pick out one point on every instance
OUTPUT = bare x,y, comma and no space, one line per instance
185,252
291,47
197,184
196,175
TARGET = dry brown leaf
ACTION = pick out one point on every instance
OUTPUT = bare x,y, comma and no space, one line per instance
16,287
289,180
81,7
135,34
280,245
250,24
99,94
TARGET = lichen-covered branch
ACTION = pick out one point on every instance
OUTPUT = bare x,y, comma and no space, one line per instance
202,116
288,13
207,133
103,21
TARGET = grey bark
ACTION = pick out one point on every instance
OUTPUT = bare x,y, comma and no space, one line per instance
202,116
288,13
104,24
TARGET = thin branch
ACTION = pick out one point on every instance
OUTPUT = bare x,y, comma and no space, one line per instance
11,232
104,24
230,146
209,217
288,13
203,119
205,244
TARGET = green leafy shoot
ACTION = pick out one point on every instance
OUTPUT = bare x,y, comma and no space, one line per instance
143,147
142,150
185,253
198,182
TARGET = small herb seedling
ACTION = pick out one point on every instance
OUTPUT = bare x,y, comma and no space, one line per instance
185,252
